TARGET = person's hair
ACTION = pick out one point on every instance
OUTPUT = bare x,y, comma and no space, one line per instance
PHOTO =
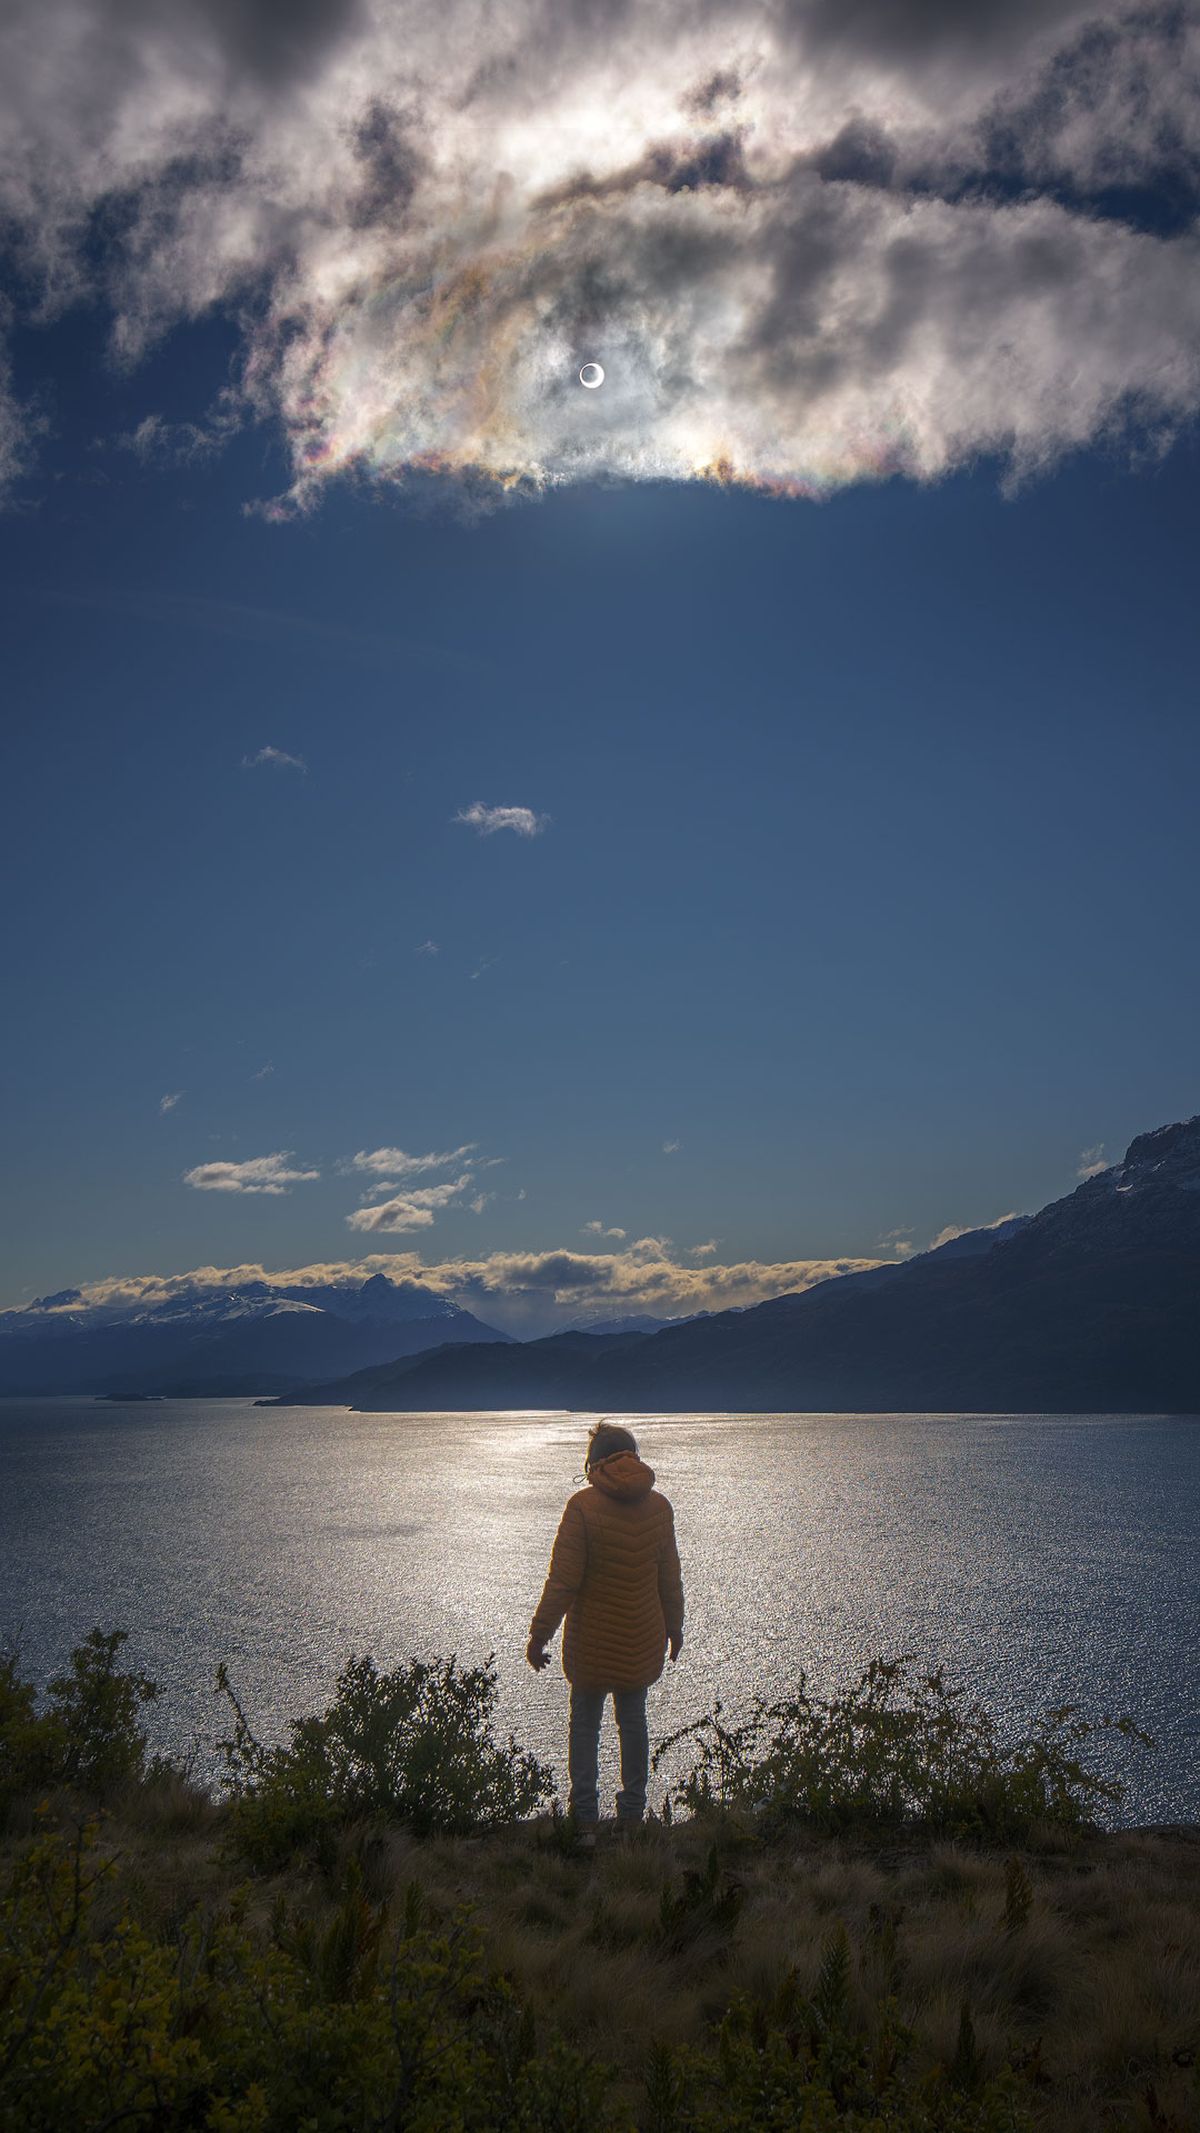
604,1439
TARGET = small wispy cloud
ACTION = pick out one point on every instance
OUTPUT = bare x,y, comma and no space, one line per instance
264,1072
899,1242
261,1174
597,1229
480,1201
159,443
414,1209
168,1103
487,820
274,758
1091,1162
704,1251
396,1164
429,948
671,1147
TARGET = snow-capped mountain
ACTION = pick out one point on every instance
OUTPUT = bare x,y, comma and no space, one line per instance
256,1336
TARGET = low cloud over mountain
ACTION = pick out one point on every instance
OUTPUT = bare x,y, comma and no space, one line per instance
526,1292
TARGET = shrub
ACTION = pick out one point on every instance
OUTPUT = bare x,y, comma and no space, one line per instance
416,1746
900,1747
795,2063
707,1904
87,1737
26,1759
243,2029
95,1706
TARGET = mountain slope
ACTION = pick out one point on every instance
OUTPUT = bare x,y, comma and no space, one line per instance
1092,1304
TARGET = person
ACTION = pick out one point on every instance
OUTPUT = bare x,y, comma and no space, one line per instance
615,1576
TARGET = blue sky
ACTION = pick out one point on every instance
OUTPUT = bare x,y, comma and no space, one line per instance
864,901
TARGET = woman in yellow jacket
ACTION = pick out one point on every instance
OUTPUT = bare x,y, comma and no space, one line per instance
615,1576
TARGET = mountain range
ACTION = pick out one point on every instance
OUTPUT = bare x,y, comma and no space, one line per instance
1091,1305
255,1337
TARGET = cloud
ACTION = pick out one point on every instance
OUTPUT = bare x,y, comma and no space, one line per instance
481,1200
21,425
968,1229
1091,1162
671,1147
704,1251
264,1072
597,1229
261,1174
487,820
278,758
413,1209
168,1103
811,242
526,1291
429,948
394,1164
898,1242
159,443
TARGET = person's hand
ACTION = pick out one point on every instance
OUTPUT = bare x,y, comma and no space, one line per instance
537,1655
675,1646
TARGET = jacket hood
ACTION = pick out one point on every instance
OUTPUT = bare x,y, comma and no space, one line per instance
624,1476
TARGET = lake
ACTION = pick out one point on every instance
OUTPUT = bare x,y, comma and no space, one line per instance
1040,1559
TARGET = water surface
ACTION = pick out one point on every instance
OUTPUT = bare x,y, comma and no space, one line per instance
1041,1559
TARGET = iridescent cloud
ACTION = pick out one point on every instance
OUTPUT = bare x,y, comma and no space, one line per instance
807,243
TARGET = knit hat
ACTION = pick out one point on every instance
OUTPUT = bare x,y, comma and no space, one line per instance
607,1438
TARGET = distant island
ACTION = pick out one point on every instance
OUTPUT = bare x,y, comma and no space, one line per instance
1092,1305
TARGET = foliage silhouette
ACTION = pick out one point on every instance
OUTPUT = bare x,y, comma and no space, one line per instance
899,1747
415,1746
88,1736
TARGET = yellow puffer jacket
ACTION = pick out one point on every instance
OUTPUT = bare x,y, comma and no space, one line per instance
614,1574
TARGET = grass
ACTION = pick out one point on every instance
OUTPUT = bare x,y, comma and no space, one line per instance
1093,1995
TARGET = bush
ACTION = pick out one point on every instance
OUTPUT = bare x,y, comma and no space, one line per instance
416,1746
25,1748
898,1748
243,2029
87,1737
795,2063
95,1708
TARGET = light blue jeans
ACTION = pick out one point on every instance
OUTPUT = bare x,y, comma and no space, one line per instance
587,1711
